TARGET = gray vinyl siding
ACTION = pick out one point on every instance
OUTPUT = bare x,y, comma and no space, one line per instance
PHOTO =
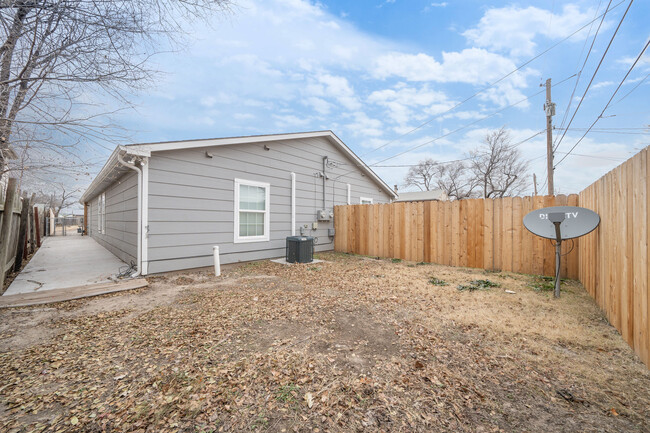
121,236
191,199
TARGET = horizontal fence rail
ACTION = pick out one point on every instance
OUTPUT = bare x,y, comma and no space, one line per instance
612,262
477,233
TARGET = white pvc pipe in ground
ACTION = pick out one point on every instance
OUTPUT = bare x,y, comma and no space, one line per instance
217,264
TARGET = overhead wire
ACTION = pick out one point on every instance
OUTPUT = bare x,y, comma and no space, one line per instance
579,73
594,74
608,102
458,160
489,86
467,125
633,89
457,129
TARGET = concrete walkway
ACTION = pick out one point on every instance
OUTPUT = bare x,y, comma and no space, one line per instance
66,261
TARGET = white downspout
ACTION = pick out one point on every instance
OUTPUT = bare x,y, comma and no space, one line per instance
139,248
293,204
144,247
349,191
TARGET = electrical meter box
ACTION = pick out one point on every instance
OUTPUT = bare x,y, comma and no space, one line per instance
323,215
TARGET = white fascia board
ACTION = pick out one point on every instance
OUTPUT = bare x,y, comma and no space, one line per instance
362,165
212,142
194,144
111,164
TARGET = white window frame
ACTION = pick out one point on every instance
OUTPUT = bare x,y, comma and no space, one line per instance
267,212
99,214
362,199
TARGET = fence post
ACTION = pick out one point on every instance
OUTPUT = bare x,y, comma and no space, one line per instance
6,228
20,250
32,244
37,226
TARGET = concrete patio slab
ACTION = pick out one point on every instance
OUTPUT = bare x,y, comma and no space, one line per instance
66,261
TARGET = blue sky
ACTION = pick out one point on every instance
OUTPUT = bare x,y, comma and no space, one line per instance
372,71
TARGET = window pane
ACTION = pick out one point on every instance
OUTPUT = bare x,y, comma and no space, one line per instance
252,197
261,198
251,223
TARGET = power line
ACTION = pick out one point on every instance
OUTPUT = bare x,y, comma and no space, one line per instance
633,89
579,73
467,125
609,158
490,85
608,102
456,130
595,72
456,160
415,165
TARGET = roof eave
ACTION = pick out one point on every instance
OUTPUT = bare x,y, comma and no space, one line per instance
145,150
110,165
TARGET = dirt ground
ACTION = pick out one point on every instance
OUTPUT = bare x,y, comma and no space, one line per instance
352,344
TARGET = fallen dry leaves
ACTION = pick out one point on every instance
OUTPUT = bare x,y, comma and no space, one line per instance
353,344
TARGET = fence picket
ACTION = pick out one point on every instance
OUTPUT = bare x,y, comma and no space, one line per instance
612,262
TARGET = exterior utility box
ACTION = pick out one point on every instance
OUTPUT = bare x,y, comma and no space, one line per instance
300,249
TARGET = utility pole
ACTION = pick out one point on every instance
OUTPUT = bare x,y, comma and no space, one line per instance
535,183
549,108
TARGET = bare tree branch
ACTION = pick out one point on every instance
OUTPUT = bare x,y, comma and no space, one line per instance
497,166
55,53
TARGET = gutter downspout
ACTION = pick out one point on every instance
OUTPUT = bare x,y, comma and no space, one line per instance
324,181
293,204
139,248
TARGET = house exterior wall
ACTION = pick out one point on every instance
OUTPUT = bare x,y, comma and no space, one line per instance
121,234
192,208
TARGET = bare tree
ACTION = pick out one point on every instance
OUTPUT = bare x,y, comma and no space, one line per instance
55,53
454,180
57,197
497,166
422,175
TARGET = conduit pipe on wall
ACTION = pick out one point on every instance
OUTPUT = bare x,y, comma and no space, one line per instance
293,204
139,248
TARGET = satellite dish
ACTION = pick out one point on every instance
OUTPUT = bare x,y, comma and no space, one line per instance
577,222
560,223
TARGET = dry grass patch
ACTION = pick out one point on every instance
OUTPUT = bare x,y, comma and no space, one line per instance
352,344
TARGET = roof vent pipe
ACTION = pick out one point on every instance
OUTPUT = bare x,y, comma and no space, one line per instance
139,248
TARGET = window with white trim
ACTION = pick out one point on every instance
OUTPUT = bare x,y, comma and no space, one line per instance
99,213
365,200
251,211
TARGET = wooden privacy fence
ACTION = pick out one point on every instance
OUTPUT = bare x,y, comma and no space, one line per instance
11,208
612,262
19,230
614,259
478,233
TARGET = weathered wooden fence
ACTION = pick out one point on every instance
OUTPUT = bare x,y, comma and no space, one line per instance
19,230
478,233
614,259
612,262
11,208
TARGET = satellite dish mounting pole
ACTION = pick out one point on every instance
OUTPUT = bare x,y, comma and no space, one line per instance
556,218
579,222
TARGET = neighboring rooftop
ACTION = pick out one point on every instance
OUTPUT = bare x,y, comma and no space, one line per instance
434,194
